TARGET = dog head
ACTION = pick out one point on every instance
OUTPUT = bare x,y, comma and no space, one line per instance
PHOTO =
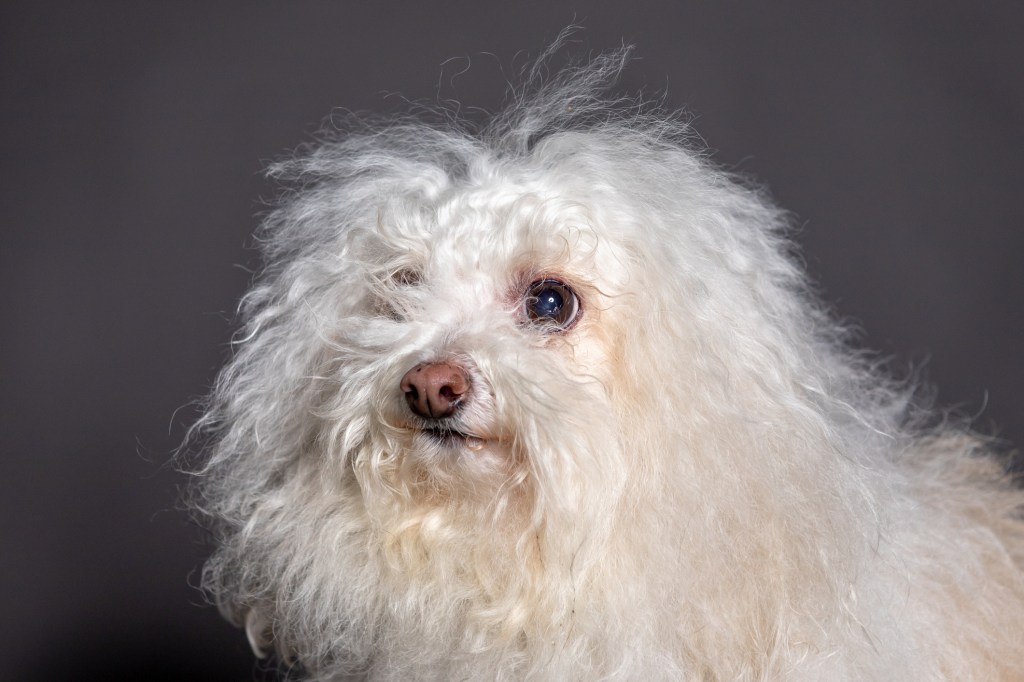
474,359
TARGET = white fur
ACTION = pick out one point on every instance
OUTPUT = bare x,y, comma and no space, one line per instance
698,481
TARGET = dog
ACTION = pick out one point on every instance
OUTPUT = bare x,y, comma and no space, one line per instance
550,399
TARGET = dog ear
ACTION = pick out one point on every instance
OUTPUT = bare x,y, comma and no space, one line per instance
259,629
260,633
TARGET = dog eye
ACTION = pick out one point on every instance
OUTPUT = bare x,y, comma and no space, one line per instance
406,277
551,304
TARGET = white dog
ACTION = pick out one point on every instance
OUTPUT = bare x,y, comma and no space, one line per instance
550,400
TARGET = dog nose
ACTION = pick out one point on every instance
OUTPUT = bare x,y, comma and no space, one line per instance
434,390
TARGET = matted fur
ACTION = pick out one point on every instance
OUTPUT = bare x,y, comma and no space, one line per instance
698,481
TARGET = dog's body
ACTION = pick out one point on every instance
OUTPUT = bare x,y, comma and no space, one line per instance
551,402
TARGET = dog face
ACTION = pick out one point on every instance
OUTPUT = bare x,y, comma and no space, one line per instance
485,336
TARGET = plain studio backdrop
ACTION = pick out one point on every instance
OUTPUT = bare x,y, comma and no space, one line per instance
133,138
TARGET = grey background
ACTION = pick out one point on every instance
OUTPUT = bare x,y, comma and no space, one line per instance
132,136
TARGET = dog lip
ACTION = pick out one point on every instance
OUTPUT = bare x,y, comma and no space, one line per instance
442,433
454,437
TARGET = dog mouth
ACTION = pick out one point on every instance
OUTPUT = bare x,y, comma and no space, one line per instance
453,438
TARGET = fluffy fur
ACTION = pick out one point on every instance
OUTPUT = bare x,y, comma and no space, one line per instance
699,480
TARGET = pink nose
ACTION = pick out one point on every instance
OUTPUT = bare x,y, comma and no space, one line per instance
435,389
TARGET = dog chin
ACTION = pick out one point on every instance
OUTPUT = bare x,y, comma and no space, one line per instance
455,455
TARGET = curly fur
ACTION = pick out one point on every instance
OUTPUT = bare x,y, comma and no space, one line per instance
698,481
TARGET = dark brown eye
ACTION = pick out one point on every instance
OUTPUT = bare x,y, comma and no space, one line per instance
551,304
406,277
390,299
